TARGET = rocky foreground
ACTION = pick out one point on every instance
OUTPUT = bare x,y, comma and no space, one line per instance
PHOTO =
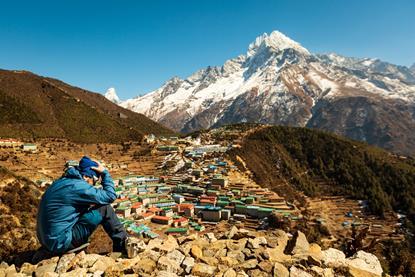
235,253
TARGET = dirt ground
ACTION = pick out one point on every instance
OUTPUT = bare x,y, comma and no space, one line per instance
47,163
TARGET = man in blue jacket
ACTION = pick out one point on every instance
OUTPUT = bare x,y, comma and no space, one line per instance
72,208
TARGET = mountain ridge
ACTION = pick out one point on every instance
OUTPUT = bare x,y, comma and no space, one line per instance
280,82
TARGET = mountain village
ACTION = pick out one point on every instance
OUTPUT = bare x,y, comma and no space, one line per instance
198,190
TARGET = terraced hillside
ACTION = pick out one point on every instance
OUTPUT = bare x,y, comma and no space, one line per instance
300,158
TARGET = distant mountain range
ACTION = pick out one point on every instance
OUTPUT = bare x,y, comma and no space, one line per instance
33,106
280,82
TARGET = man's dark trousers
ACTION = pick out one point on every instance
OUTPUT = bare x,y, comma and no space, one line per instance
90,220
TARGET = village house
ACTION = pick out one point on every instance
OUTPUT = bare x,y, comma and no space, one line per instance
137,208
164,220
180,222
29,147
10,143
212,214
123,211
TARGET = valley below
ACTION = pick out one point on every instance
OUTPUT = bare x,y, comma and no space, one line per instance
295,197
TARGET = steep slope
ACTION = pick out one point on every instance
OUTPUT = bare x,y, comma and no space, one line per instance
280,82
35,106
289,159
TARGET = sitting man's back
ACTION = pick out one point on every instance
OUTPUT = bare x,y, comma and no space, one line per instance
72,208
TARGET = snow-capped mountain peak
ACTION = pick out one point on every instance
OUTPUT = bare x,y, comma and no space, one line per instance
278,81
111,95
276,41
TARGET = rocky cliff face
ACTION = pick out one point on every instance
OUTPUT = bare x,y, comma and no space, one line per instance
235,253
280,82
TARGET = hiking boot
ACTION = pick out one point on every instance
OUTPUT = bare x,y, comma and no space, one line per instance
41,254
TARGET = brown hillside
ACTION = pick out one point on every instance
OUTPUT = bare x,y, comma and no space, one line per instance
19,199
36,107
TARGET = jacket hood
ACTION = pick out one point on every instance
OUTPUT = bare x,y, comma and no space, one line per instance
72,173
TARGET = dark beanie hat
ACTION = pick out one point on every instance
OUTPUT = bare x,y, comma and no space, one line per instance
85,165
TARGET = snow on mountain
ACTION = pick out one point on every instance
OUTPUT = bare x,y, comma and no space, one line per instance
111,95
277,41
278,81
412,68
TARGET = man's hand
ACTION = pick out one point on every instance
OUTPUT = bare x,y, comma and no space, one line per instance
100,168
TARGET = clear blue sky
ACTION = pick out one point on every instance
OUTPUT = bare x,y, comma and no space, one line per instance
135,46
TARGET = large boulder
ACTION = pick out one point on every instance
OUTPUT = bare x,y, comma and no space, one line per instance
134,246
248,264
6,270
265,266
366,262
210,261
188,264
167,264
169,244
184,239
144,266
278,240
237,255
210,237
27,269
334,258
315,251
44,269
176,255
150,254
232,232
196,252
102,264
276,255
64,263
255,243
236,245
356,272
215,249
229,272
165,245
228,261
300,244
280,270
89,260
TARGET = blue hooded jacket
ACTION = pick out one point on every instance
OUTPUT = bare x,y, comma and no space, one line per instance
64,202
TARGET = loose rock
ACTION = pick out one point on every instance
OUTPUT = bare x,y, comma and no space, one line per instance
144,266
64,263
203,270
334,258
296,272
366,262
229,272
188,264
280,270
